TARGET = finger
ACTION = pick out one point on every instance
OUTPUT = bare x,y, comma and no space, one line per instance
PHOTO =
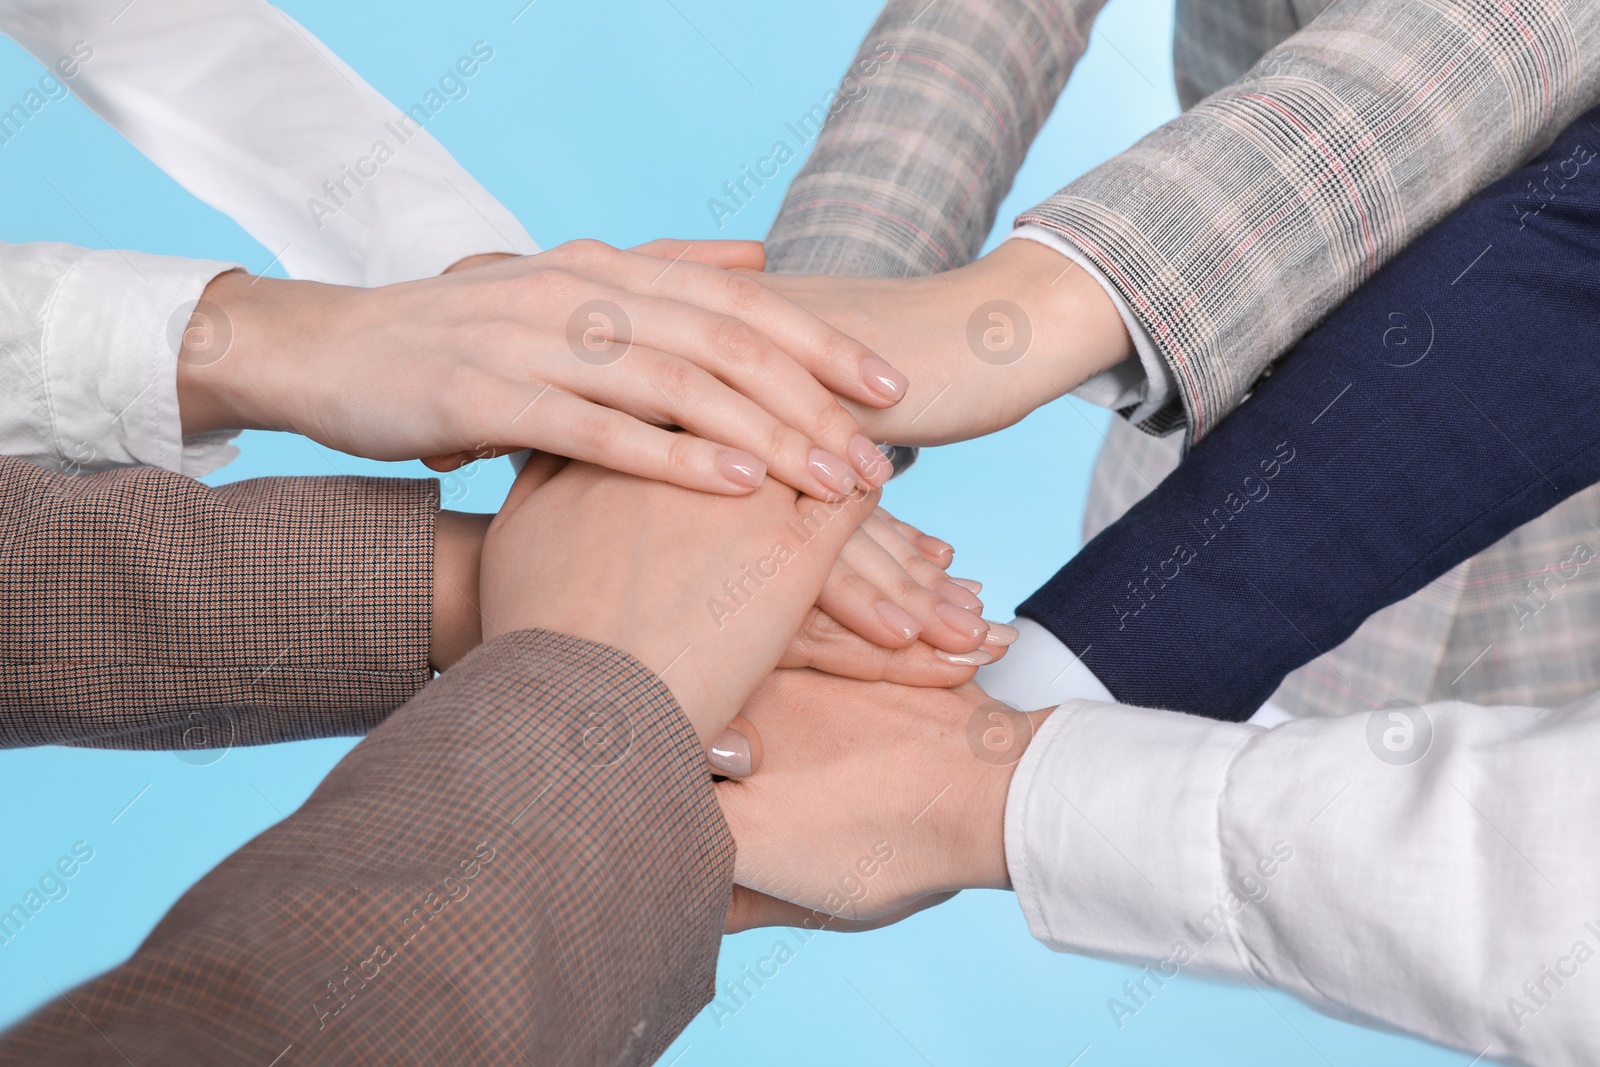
618,441
451,461
877,579
737,752
817,430
540,468
749,909
727,255
915,564
667,390
824,644
935,551
838,361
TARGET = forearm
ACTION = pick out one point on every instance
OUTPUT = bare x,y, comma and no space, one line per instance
475,824
1413,870
139,601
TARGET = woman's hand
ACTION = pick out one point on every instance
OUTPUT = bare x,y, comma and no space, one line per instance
982,345
585,351
871,798
635,564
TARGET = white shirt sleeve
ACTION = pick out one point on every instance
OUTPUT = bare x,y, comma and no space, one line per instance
1433,869
1144,383
90,341
253,115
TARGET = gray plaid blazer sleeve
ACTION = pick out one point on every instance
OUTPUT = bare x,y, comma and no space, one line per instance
142,609
525,864
1232,229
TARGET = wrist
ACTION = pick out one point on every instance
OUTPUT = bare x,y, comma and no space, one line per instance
457,558
233,360
999,739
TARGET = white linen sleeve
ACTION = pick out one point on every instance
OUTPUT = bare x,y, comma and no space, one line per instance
1144,383
90,343
253,115
1432,869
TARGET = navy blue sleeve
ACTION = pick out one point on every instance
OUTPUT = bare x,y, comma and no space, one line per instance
1451,399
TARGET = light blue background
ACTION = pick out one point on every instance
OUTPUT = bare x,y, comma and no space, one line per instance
618,119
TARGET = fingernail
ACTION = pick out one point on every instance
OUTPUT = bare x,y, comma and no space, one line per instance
968,583
1001,634
959,618
741,469
899,619
930,544
872,463
730,755
883,379
833,472
956,593
965,659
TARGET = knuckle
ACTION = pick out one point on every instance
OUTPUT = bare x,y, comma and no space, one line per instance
734,342
683,454
744,294
677,381
583,250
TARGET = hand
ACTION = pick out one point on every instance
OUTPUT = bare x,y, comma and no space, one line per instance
871,797
585,351
627,562
457,555
973,368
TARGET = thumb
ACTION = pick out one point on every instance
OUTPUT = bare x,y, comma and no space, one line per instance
729,255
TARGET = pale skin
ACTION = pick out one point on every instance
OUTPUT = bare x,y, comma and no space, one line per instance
854,771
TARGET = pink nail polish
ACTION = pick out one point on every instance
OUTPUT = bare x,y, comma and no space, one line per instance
958,594
741,469
729,754
966,659
883,379
833,472
869,460
1001,634
931,545
899,620
959,618
967,583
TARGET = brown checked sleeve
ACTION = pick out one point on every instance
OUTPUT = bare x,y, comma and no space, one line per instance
523,865
141,609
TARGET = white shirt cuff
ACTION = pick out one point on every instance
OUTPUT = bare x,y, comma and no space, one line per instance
1145,383
112,331
1038,671
1112,837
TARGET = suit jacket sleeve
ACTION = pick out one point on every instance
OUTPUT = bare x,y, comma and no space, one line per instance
525,864
141,609
1232,229
925,135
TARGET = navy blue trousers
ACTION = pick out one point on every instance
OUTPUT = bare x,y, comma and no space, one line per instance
1451,399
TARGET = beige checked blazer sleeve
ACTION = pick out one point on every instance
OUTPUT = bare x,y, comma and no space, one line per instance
476,883
907,179
141,609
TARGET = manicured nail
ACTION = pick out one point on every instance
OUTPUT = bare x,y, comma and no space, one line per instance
965,659
833,472
730,755
872,463
1001,634
932,546
899,619
741,469
959,618
956,593
883,379
968,583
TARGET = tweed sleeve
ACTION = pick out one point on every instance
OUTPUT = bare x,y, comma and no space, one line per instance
1234,228
141,609
525,864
